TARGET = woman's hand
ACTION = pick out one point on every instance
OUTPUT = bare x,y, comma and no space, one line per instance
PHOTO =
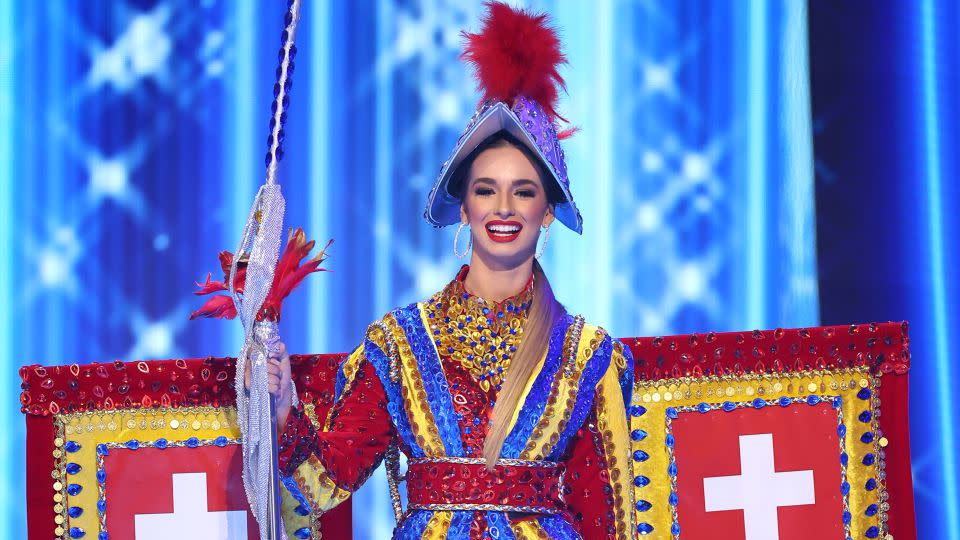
278,382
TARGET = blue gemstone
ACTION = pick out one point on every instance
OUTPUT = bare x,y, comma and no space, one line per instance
102,535
847,517
638,434
192,442
871,484
640,455
759,403
844,459
868,459
784,401
302,510
101,506
101,476
837,402
641,481
77,532
674,500
74,511
703,407
643,506
132,444
644,528
872,532
729,406
302,533
220,441
638,410
813,400
675,529
672,412
864,393
160,443
867,437
74,489
845,488
842,431
865,416
73,468
871,510
71,446
670,441
102,450
672,469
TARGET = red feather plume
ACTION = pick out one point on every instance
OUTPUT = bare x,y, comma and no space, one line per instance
516,53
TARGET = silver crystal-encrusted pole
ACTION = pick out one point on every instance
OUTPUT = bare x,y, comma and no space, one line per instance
256,410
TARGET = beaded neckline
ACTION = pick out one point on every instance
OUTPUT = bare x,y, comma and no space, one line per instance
478,334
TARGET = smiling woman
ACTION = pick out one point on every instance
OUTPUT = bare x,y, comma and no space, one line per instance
511,412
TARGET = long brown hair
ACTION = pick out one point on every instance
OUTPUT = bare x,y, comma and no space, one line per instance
544,311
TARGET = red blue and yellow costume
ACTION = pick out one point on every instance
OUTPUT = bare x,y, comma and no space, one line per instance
425,378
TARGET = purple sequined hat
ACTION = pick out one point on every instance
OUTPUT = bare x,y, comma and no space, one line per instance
516,56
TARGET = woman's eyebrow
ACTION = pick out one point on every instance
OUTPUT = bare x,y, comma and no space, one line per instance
524,182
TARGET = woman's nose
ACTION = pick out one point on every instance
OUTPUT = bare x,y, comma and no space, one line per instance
504,205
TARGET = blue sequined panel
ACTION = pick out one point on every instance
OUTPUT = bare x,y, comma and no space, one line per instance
626,379
381,364
592,372
340,383
434,381
412,527
498,527
536,400
558,529
460,525
291,485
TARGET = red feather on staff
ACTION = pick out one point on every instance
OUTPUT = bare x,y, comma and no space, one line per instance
288,274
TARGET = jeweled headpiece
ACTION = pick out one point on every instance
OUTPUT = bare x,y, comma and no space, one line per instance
515,56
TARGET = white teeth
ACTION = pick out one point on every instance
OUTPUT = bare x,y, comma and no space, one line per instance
503,229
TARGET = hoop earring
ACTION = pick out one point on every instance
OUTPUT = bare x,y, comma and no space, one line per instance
456,242
546,236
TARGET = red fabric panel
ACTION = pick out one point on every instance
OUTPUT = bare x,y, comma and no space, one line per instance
39,460
895,425
587,487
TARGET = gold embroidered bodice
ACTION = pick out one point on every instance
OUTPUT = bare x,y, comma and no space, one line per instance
480,335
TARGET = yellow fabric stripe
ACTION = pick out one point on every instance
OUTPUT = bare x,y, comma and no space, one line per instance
315,484
563,394
349,367
438,526
422,422
612,425
528,529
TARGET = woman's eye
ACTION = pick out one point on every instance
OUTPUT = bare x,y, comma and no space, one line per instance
526,193
483,191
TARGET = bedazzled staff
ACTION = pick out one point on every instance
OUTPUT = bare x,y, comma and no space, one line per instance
256,410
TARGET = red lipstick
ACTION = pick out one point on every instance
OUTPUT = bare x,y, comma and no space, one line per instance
503,231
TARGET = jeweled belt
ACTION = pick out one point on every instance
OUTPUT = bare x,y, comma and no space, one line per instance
514,485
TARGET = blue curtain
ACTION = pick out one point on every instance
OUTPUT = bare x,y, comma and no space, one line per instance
133,135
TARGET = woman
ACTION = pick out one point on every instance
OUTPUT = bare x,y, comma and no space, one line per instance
510,411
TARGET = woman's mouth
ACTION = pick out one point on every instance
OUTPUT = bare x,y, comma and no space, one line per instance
503,231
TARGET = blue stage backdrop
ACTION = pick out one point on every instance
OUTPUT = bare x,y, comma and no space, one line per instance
132,142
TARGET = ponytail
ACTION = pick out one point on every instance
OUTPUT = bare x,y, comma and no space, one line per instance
544,312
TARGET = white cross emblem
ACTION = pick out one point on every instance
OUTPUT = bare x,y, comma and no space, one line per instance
758,490
190,519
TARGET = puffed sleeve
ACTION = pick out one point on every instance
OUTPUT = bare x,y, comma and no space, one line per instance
599,468
321,464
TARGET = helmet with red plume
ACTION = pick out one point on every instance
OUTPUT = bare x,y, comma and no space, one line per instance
516,58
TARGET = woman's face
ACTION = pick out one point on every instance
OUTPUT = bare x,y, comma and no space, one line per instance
505,205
